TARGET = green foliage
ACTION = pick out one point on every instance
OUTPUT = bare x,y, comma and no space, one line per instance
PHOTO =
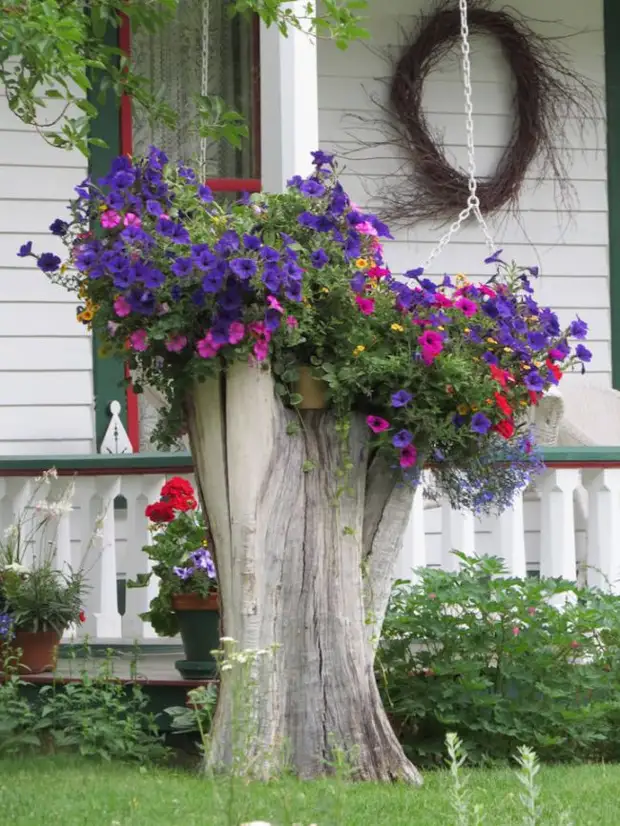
42,599
55,51
502,662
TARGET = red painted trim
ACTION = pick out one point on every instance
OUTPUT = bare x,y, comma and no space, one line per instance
126,142
234,184
101,471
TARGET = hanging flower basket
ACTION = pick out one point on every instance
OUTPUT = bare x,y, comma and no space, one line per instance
312,390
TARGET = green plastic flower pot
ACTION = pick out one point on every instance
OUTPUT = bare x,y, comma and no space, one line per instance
199,624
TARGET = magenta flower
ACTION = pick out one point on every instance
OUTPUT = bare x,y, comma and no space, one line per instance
261,349
132,220
378,272
274,303
366,305
429,355
206,347
176,343
366,228
139,341
121,307
432,341
110,219
408,456
236,332
377,424
292,321
467,306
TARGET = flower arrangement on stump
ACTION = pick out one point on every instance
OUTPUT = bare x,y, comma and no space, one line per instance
187,599
224,309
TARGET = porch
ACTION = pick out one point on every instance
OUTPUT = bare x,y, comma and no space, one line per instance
568,525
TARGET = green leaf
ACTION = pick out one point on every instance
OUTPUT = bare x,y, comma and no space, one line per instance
295,399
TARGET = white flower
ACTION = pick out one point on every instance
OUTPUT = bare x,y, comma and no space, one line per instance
227,639
16,567
11,532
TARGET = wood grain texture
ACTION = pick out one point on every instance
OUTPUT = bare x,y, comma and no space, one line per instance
291,577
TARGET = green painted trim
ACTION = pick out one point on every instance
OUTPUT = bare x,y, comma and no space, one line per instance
109,372
612,84
582,453
99,463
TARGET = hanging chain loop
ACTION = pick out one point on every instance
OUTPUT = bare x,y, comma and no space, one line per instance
472,206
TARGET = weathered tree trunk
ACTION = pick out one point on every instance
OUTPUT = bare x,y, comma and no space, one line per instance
302,568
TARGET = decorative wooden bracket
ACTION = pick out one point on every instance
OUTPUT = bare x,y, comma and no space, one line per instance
116,439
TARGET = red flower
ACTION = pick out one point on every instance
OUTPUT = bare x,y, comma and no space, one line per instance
505,428
179,493
503,405
160,512
82,616
553,368
498,375
534,397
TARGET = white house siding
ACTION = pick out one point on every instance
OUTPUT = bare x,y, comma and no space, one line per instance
46,388
571,247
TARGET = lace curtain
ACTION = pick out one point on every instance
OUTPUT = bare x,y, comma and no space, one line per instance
202,49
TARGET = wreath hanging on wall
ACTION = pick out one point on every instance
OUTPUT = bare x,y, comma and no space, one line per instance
548,93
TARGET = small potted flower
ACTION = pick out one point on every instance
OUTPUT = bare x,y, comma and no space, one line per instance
187,600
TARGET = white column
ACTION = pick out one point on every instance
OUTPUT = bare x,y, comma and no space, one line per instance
107,620
289,102
603,542
509,536
458,533
139,491
557,523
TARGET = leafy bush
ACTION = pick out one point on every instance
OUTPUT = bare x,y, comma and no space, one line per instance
502,662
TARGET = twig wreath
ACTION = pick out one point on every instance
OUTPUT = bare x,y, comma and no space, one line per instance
548,92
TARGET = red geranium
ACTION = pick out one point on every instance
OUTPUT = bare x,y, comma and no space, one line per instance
505,428
160,512
179,493
82,615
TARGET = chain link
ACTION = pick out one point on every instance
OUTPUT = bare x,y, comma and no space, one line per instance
473,202
204,81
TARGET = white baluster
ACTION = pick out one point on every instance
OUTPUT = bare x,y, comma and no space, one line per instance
557,523
107,620
603,529
509,536
413,552
139,491
458,533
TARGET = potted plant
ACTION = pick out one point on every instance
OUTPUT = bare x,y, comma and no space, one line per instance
38,599
187,600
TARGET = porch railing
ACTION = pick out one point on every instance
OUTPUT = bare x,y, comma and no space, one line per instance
567,525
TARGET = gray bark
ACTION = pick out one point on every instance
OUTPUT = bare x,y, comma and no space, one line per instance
302,569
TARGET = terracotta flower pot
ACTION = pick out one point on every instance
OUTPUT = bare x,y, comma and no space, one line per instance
39,650
313,390
199,624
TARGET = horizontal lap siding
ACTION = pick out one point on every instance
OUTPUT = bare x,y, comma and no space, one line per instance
568,241
46,387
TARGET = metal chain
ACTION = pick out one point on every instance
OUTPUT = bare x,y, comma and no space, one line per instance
204,81
473,202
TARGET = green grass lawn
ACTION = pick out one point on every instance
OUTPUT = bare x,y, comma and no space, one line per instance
70,792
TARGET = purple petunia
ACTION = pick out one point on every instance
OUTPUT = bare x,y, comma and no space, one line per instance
183,573
59,227
182,267
48,262
205,193
401,398
480,423
319,258
583,353
25,250
358,282
312,188
578,329
243,268
402,438
534,381
293,291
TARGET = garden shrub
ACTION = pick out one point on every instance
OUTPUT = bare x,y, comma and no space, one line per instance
502,662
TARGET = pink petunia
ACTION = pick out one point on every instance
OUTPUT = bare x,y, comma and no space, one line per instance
516,631
429,355
408,456
441,300
132,220
274,303
236,332
110,219
176,343
206,347
432,341
487,291
366,228
366,305
261,349
378,272
377,424
121,307
139,341
467,306
292,321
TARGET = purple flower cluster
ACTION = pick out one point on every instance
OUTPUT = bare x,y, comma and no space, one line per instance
200,561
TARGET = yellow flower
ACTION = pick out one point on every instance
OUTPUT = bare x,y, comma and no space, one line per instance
507,349
361,263
525,367
398,328
324,289
82,291
441,328
491,341
523,403
460,279
467,330
474,409
462,409
538,363
85,316
359,349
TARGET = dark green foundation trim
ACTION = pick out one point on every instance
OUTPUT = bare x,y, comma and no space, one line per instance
612,83
109,372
